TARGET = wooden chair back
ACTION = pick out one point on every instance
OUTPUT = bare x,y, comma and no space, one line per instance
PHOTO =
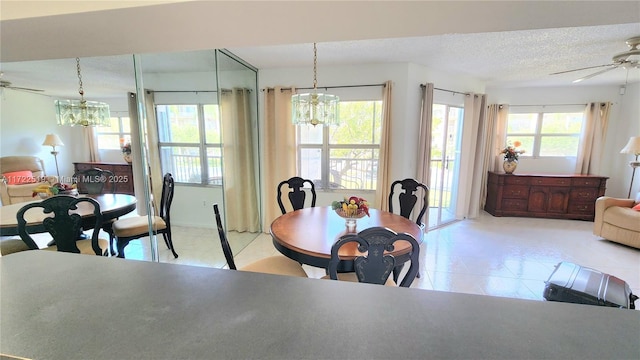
226,248
407,200
375,266
94,181
64,226
297,196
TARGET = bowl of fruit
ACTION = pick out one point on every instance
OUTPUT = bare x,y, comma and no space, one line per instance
45,190
351,209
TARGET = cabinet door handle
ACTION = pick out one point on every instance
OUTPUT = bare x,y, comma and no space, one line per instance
515,192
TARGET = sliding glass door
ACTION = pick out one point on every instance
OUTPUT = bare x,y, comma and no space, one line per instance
446,138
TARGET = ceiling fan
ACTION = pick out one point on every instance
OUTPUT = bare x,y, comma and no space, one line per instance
628,60
7,85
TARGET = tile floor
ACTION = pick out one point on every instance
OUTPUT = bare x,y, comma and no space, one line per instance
508,257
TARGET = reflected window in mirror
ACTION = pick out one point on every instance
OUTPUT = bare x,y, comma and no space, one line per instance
114,136
190,143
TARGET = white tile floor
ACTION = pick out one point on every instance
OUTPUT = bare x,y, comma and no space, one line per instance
508,256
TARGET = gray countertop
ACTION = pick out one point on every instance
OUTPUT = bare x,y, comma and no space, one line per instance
68,306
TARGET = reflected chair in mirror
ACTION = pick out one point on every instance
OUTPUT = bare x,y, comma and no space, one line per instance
136,227
65,225
97,181
277,265
297,196
406,201
374,266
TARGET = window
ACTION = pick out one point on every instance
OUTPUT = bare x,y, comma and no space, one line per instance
546,134
343,157
114,136
190,143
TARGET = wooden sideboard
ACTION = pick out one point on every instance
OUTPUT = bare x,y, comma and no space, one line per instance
545,196
122,174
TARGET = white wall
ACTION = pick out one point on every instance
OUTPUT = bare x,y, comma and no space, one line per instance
25,119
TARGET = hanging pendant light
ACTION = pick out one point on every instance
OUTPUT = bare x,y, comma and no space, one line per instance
82,112
315,108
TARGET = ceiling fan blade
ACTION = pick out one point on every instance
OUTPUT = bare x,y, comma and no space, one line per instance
594,74
585,68
25,89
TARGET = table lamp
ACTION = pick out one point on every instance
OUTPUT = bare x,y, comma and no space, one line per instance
53,140
632,147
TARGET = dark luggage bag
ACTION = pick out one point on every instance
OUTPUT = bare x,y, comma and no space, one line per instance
581,285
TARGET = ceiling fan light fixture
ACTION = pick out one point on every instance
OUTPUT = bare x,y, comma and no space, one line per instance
315,108
82,112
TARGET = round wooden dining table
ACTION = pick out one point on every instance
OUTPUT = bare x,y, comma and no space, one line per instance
306,235
111,206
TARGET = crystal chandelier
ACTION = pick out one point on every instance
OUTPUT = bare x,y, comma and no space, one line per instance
315,108
82,112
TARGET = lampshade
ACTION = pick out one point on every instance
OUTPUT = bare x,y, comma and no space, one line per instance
315,108
52,140
82,112
632,147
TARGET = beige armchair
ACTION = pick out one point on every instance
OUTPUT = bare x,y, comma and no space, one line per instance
616,221
16,193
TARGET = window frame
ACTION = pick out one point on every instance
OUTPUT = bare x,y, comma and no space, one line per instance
121,133
326,146
202,145
537,135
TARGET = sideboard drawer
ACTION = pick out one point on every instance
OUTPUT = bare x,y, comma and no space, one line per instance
585,182
550,181
583,208
514,205
585,194
515,192
516,180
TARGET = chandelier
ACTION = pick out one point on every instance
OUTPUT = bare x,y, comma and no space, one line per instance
82,112
315,108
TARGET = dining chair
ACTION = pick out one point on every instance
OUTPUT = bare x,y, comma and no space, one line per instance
65,225
297,196
407,202
136,227
374,266
93,181
278,265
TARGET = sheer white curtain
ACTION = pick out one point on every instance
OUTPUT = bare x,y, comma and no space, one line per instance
91,139
279,149
240,191
152,151
383,182
471,161
424,148
500,138
594,132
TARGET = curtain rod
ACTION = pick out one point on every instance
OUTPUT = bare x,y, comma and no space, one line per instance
451,91
328,87
185,91
549,105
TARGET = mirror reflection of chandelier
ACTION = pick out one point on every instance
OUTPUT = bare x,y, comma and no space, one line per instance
82,112
315,108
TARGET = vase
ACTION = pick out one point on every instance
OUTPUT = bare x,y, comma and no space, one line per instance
510,166
127,157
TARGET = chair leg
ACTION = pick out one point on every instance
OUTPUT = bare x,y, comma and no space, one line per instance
167,240
120,245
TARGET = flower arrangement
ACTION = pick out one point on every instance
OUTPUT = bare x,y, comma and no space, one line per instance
511,152
351,207
126,148
55,189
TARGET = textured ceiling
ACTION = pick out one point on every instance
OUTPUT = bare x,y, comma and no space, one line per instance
523,58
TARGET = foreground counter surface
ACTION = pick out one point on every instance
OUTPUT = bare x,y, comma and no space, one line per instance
68,306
